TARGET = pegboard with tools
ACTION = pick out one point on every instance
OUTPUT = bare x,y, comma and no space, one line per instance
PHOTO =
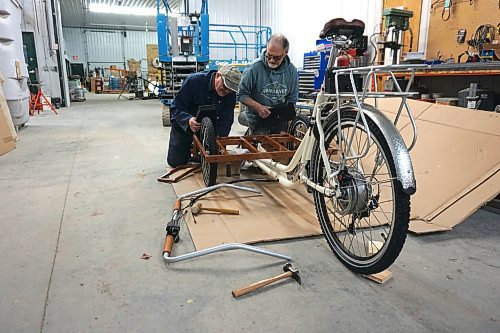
463,15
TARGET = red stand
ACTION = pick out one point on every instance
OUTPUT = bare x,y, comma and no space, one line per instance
36,102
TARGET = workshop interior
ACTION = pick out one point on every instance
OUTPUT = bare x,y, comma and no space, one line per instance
378,197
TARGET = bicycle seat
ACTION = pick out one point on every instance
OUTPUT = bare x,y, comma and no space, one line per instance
339,26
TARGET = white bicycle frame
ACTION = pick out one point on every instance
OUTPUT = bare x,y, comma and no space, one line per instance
294,173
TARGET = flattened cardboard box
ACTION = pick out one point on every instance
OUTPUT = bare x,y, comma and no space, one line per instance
456,162
276,213
7,142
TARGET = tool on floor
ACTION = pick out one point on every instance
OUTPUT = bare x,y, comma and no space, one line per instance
290,272
173,227
198,208
188,169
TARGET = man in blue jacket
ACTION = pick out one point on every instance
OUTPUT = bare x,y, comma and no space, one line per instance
217,88
269,88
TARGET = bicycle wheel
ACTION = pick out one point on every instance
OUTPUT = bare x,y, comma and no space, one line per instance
298,128
207,134
366,226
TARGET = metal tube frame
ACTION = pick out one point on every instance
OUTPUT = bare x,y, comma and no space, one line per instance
304,150
225,247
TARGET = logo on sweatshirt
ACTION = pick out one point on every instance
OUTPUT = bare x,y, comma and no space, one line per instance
275,91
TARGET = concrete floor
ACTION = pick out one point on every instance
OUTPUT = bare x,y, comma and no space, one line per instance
80,205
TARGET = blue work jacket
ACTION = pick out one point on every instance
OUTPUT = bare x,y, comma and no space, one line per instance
198,89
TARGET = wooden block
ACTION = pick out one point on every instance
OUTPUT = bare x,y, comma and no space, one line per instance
381,277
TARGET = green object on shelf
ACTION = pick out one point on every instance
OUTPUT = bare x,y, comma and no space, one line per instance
397,18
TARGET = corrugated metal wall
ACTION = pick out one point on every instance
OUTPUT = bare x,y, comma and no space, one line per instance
231,12
75,45
102,48
302,22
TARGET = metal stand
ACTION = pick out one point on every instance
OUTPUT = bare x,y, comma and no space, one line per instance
224,247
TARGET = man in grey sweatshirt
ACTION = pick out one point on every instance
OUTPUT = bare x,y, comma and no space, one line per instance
269,88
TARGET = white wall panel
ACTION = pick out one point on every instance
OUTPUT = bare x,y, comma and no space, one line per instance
103,48
75,45
302,21
232,12
135,46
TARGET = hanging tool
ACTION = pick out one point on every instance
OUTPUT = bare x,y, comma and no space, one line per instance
290,272
445,14
198,208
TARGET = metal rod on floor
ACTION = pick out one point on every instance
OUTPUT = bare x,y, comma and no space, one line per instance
211,188
173,226
224,247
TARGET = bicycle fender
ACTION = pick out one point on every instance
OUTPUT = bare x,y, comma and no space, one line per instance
397,146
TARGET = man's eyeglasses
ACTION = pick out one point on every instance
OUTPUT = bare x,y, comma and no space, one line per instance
275,58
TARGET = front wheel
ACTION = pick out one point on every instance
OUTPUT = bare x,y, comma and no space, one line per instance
207,134
366,225
298,128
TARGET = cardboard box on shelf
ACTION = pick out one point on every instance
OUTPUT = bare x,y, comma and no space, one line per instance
152,53
134,65
114,71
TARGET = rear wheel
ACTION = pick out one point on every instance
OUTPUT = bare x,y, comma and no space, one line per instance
366,226
207,134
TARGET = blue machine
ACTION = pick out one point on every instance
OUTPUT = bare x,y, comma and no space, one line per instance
184,45
313,70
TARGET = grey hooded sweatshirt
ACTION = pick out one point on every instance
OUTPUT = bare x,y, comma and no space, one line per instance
268,86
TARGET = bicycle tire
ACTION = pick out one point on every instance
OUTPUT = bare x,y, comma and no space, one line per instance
207,133
371,244
298,128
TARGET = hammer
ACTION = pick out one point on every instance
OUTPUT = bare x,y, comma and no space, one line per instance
198,208
289,270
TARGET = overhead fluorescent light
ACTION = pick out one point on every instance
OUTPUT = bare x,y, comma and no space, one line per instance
123,10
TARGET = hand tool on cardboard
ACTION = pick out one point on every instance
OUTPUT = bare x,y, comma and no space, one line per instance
290,272
198,208
173,227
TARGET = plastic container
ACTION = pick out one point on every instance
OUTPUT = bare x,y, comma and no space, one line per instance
12,65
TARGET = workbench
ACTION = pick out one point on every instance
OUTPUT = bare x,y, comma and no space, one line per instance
449,79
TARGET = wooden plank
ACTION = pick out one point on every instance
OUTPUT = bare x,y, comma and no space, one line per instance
381,277
246,144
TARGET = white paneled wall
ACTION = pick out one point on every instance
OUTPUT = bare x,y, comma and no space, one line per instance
229,12
75,44
302,21
102,48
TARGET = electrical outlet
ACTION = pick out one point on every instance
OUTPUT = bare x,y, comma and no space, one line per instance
461,35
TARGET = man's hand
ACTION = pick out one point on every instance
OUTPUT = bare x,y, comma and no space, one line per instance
263,111
194,125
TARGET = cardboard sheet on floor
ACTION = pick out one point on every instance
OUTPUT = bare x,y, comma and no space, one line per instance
277,213
456,162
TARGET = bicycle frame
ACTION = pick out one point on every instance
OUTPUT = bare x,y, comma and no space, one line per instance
294,173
